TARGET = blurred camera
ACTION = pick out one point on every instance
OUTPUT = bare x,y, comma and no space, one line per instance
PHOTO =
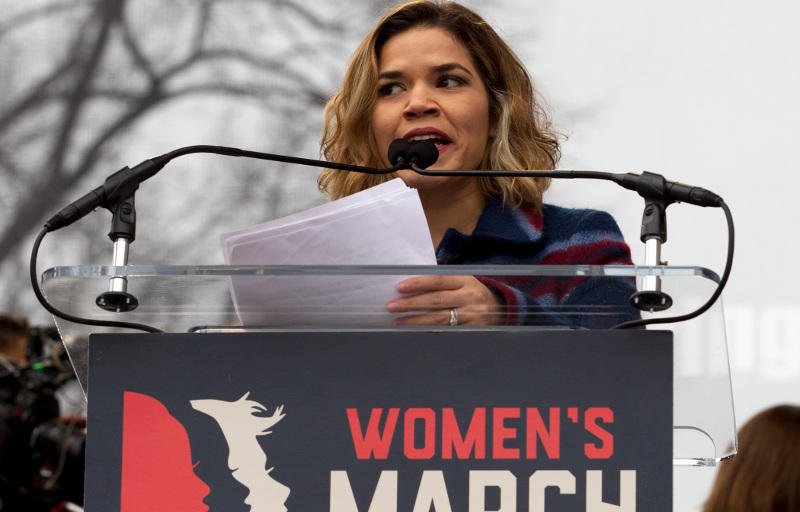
41,453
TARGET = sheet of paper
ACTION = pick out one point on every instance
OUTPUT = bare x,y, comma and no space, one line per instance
383,225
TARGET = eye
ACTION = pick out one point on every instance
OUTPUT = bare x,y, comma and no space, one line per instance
450,81
389,89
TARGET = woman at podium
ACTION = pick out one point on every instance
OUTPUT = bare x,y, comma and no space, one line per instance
439,72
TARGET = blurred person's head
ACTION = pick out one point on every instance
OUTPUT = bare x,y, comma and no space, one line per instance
484,109
764,476
14,331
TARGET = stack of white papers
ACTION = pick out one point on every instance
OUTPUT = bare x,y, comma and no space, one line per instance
383,225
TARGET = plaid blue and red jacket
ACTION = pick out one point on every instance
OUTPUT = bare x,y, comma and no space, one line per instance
554,236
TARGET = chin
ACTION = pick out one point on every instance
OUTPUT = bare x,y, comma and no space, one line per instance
410,178
428,183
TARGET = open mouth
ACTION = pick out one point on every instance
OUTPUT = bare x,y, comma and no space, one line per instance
440,141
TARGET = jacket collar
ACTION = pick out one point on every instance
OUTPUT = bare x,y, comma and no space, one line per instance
497,224
508,223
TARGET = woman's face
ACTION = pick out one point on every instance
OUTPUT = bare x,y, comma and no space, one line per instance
428,88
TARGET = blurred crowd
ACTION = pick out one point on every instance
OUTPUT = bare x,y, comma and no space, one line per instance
42,421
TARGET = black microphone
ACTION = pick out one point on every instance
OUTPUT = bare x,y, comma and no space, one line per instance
398,152
423,154
118,186
652,185
123,183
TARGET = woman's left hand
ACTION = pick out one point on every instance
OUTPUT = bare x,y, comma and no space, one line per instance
436,296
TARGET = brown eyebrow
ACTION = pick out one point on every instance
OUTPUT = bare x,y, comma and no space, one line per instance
441,68
390,75
450,66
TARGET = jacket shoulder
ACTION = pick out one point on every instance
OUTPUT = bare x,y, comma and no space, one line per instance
569,221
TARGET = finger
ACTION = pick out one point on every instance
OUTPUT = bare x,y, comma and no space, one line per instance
428,283
439,317
424,301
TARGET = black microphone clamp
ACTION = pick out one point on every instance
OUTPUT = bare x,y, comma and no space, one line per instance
116,194
117,187
654,186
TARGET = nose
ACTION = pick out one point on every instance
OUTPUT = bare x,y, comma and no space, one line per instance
420,103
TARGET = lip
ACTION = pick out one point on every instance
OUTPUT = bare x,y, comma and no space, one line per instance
429,130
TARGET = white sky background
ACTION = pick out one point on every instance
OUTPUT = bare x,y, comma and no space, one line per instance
705,93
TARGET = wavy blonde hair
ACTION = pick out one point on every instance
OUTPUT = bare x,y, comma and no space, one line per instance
524,138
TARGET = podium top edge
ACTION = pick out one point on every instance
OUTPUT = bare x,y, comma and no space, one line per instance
90,271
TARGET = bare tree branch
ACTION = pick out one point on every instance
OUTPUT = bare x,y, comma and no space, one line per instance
28,213
34,97
273,66
8,163
203,21
253,90
92,108
135,51
53,182
35,14
307,14
38,91
109,14
96,92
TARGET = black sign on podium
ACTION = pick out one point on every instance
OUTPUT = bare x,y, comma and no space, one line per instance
381,420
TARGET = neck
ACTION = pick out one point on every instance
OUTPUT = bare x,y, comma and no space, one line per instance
459,209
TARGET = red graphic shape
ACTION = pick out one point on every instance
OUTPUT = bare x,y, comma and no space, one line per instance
157,469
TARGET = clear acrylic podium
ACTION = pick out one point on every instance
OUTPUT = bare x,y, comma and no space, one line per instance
199,299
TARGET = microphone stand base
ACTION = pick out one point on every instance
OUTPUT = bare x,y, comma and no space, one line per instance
651,300
117,302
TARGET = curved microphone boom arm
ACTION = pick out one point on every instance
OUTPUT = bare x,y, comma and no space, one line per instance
117,195
658,193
